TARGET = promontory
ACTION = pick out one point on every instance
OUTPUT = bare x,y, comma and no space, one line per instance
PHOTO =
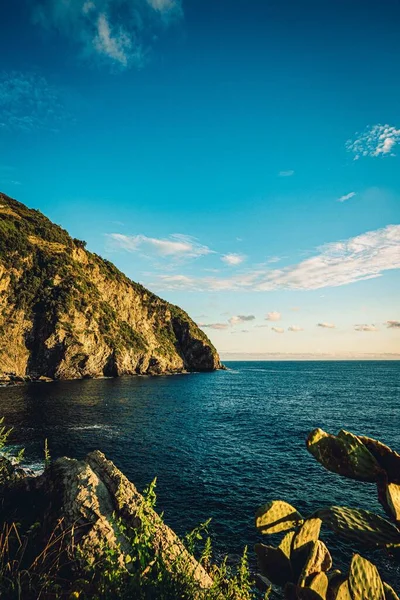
66,313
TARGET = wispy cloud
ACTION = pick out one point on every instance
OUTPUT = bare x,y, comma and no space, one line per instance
116,45
363,257
378,140
346,197
365,327
273,316
241,319
393,324
220,326
120,32
28,102
327,325
177,246
295,328
162,5
288,173
278,329
233,259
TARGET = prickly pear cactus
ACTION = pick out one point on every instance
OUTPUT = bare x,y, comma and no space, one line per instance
301,564
343,454
277,516
361,525
364,580
319,584
393,500
388,459
390,594
343,592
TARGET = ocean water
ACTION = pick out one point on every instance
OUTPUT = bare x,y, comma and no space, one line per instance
220,444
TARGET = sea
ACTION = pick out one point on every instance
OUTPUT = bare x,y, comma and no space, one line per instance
220,444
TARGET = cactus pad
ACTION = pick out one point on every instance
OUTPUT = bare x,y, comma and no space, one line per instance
390,594
361,525
286,543
343,454
308,532
273,564
277,516
320,585
388,459
317,561
364,580
343,592
393,500
293,592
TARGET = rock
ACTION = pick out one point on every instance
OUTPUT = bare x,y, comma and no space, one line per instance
65,313
95,502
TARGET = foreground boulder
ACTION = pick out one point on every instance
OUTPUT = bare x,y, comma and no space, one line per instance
87,511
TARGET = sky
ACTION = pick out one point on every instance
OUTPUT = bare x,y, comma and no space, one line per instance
240,159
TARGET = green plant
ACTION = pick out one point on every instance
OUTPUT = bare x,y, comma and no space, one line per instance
47,457
301,564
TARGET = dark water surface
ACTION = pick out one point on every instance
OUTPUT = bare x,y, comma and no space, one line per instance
221,444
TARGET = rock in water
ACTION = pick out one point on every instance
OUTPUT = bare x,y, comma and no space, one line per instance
65,313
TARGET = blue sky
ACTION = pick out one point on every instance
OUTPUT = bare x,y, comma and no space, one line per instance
241,159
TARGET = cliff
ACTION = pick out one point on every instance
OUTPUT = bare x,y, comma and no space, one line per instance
66,313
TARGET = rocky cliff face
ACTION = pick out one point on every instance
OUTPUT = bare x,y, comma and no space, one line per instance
66,313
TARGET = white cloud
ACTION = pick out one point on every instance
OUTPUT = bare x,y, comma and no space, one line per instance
346,197
241,319
278,329
162,5
378,140
88,6
393,324
286,173
233,259
120,32
327,325
115,45
295,328
218,326
273,316
28,102
365,328
176,246
363,257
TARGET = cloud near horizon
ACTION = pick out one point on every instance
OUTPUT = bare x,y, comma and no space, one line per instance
378,140
365,327
326,325
273,316
213,326
295,328
360,258
278,329
393,324
120,32
241,319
